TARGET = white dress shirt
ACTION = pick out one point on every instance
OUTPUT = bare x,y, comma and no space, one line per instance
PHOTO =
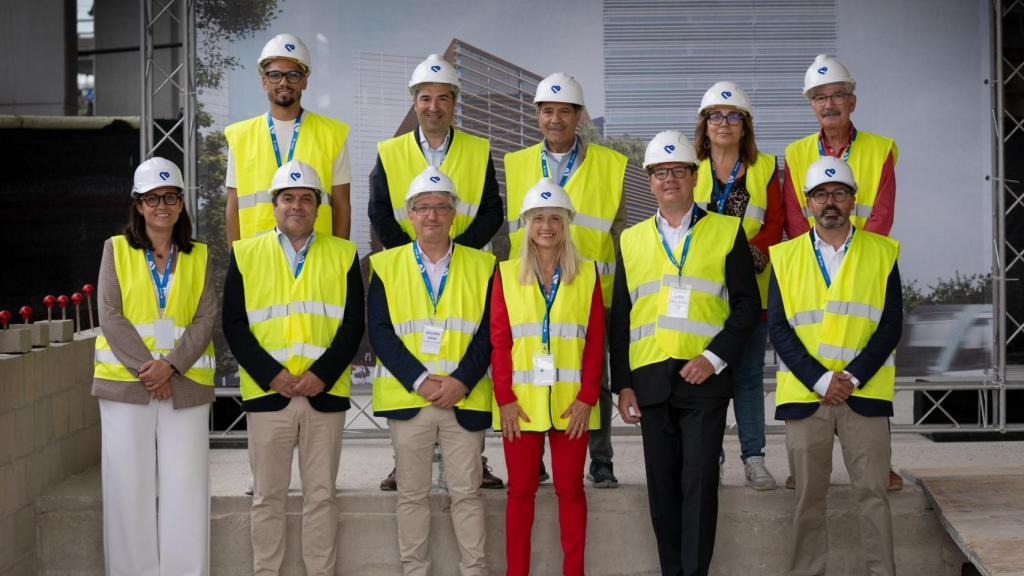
833,259
434,272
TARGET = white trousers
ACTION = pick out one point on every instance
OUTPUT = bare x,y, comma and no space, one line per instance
150,450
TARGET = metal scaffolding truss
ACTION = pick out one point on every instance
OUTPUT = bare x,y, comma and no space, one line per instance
177,81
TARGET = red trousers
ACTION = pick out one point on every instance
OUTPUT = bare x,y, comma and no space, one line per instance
522,458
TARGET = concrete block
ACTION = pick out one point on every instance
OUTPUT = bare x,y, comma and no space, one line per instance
7,440
60,415
75,402
13,477
23,418
42,424
15,341
40,333
7,537
60,330
12,381
24,566
25,530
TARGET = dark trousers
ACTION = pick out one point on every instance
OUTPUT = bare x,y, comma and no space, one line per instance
681,448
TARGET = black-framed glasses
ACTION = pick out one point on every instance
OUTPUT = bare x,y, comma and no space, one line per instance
293,76
441,209
733,118
153,200
821,99
660,174
821,196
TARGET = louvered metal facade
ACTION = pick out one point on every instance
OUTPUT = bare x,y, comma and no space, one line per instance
660,57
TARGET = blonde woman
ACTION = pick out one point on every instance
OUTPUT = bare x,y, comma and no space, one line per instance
547,333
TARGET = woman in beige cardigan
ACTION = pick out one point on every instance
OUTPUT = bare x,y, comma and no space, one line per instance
153,375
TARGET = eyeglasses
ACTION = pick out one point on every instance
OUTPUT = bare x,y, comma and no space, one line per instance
660,174
153,200
734,118
440,209
840,98
293,76
821,196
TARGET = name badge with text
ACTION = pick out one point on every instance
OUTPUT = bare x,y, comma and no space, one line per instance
431,342
543,369
163,332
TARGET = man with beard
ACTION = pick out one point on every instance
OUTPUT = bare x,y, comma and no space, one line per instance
835,317
829,88
257,147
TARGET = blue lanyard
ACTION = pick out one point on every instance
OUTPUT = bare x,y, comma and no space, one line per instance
426,278
301,261
161,283
728,185
568,167
686,243
821,261
846,153
273,137
549,301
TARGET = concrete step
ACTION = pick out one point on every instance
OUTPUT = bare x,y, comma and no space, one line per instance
753,530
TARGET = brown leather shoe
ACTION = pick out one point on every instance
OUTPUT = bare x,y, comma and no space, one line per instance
490,481
389,484
790,483
895,481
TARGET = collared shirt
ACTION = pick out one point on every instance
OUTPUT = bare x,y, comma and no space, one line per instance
673,236
558,160
829,150
289,250
434,271
434,156
833,259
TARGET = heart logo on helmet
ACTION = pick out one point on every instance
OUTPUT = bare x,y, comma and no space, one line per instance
670,148
295,176
823,69
289,47
726,94
165,175
545,195
556,88
435,68
435,179
830,172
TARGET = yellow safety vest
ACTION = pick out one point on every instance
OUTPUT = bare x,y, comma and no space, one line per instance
140,308
320,141
465,163
758,177
460,309
595,189
294,319
653,335
570,314
834,324
867,157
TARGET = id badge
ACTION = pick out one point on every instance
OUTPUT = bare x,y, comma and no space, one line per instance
431,342
679,301
163,332
543,369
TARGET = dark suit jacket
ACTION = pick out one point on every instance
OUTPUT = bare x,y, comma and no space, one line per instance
807,368
480,231
263,367
660,382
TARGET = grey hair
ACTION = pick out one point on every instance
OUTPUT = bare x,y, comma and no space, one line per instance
453,200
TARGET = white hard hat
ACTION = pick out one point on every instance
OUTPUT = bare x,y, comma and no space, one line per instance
286,46
431,180
546,194
434,70
828,169
725,94
154,173
669,146
295,174
826,69
559,87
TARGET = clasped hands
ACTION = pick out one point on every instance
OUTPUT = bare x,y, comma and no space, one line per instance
839,389
442,391
155,375
289,385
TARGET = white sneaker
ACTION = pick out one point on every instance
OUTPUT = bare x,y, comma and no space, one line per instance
758,477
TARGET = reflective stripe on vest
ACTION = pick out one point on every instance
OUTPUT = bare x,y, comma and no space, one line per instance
139,307
758,177
320,141
465,163
460,309
294,319
570,313
835,323
867,157
595,189
654,336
